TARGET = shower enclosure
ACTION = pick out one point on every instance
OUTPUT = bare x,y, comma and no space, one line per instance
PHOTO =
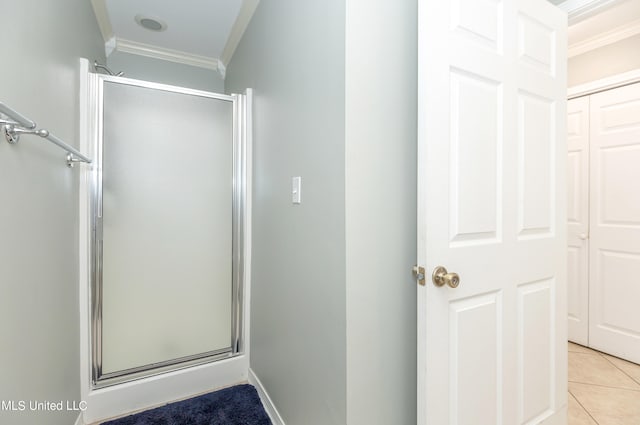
167,218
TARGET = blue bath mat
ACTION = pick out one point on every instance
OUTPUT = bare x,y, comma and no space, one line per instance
239,405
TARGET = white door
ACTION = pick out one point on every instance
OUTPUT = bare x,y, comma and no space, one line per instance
614,324
578,219
491,207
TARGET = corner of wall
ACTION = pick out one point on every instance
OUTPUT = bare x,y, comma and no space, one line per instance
381,187
267,403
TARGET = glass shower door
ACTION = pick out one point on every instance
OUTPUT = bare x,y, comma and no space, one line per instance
166,207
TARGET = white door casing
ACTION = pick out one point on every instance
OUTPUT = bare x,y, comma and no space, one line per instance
578,219
614,322
491,207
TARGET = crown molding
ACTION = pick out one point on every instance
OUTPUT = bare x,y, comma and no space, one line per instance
113,43
239,27
579,10
162,53
222,69
102,16
609,37
109,46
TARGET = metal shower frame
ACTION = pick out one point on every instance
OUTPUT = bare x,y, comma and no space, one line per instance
236,346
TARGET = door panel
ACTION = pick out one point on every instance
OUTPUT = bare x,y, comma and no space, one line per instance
476,105
167,227
615,222
536,166
578,219
536,337
479,20
478,392
491,208
536,43
618,166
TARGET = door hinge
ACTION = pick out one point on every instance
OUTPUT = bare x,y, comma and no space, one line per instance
418,272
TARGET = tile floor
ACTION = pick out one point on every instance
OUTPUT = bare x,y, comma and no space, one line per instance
603,390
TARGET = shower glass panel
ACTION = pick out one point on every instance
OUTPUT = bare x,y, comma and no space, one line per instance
166,216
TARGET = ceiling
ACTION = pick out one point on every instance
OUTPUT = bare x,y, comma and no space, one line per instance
621,19
206,32
198,32
200,27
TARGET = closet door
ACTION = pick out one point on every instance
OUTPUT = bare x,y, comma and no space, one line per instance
615,223
578,219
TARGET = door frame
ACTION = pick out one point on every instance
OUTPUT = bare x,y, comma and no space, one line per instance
604,84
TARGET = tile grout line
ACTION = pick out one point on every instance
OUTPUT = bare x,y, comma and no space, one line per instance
616,366
594,352
584,408
576,398
607,386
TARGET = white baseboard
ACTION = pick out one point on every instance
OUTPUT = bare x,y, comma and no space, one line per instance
275,417
154,391
269,407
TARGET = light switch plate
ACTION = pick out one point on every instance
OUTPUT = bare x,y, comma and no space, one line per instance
296,187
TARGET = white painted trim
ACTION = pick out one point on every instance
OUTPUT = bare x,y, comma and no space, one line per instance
109,46
609,37
269,407
603,84
248,230
158,390
237,31
222,69
156,52
102,16
79,420
86,112
580,10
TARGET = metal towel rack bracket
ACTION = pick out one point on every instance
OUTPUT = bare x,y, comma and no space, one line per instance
17,124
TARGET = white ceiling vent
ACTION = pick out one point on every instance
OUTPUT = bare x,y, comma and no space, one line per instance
152,24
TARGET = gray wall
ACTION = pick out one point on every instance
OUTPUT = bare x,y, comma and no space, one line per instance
333,311
292,54
166,72
606,61
381,193
39,359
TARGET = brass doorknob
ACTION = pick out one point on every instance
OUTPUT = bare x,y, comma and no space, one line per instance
441,277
